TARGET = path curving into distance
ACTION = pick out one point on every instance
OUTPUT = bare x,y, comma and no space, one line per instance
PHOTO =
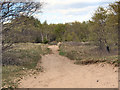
60,72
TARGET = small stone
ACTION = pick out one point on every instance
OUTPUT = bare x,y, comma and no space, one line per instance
97,80
102,65
21,78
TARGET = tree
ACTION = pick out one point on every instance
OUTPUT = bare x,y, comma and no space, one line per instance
12,10
98,33
77,30
112,23
104,27
59,31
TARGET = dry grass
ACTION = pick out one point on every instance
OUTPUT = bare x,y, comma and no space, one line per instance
87,54
20,59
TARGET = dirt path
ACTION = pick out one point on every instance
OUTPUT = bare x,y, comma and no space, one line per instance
60,72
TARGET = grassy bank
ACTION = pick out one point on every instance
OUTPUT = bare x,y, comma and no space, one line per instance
21,58
88,54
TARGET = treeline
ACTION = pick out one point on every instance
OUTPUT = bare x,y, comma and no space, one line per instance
102,30
32,30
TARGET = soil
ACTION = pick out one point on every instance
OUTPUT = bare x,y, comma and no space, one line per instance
60,72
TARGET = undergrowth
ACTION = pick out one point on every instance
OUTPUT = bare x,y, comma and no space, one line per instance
87,54
20,59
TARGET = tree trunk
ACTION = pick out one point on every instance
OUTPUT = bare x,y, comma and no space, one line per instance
42,37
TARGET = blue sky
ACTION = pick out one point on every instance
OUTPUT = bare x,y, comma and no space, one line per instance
63,11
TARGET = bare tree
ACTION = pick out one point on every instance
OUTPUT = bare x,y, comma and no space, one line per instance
10,11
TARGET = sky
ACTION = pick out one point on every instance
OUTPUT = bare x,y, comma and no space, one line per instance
64,11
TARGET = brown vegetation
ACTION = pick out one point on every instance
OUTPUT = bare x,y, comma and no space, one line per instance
88,54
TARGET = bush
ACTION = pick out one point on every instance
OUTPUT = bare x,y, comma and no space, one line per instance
19,59
26,58
45,41
73,55
38,40
61,53
86,53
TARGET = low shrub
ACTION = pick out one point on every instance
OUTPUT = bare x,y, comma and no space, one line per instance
61,53
87,54
22,57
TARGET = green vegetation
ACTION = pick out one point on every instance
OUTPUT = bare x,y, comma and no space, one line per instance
101,30
88,54
61,53
21,58
25,39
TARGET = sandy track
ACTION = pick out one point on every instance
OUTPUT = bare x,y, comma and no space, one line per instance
60,72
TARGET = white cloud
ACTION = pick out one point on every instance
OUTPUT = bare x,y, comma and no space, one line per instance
72,10
55,11
53,2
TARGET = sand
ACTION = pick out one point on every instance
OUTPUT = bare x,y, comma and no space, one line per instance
60,72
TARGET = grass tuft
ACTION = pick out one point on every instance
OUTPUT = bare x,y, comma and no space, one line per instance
87,54
20,59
